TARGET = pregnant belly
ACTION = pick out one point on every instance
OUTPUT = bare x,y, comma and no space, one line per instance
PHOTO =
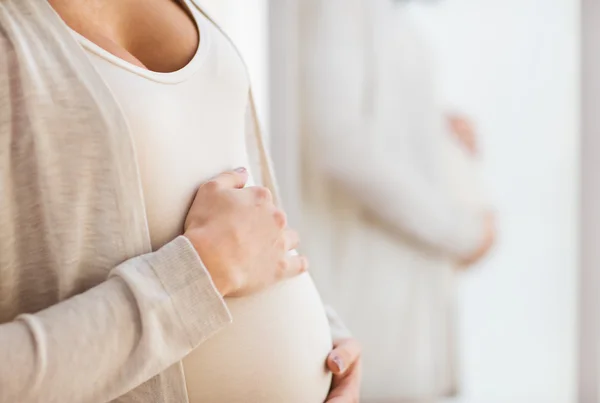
274,351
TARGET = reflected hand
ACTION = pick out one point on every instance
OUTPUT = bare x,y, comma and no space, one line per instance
464,131
344,363
488,241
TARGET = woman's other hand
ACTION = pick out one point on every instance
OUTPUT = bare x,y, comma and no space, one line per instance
344,363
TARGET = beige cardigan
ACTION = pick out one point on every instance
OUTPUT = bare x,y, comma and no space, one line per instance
87,312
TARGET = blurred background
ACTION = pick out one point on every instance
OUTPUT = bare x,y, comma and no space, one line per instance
514,67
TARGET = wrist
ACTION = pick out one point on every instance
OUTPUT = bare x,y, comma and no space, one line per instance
222,285
203,248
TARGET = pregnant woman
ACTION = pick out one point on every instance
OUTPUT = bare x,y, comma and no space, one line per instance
143,257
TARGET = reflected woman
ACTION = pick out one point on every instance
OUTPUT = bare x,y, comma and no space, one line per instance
380,220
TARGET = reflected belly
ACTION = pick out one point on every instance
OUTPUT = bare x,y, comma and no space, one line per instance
274,351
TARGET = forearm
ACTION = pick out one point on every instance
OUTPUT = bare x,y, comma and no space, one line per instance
388,186
151,312
398,195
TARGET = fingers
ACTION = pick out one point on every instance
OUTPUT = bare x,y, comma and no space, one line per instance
486,243
345,388
343,356
259,195
465,132
235,179
291,239
293,266
262,194
463,126
280,219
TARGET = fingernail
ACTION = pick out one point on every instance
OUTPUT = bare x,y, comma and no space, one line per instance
337,360
240,170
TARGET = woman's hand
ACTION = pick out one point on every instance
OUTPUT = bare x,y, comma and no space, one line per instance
344,363
241,236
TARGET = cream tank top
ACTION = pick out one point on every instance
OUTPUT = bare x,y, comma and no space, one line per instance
187,127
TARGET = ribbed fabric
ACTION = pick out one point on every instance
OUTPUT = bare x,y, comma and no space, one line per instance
195,300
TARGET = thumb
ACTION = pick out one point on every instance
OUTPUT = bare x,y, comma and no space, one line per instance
335,363
343,356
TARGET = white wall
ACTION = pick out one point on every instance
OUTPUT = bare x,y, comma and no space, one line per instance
513,64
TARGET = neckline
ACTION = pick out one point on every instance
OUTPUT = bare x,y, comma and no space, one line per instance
173,77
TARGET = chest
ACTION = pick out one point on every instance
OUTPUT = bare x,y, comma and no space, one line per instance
187,126
155,34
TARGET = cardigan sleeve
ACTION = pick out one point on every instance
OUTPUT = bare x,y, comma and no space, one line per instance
150,313
388,185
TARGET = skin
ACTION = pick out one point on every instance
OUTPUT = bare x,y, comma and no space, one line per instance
487,243
159,35
162,38
344,363
464,131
